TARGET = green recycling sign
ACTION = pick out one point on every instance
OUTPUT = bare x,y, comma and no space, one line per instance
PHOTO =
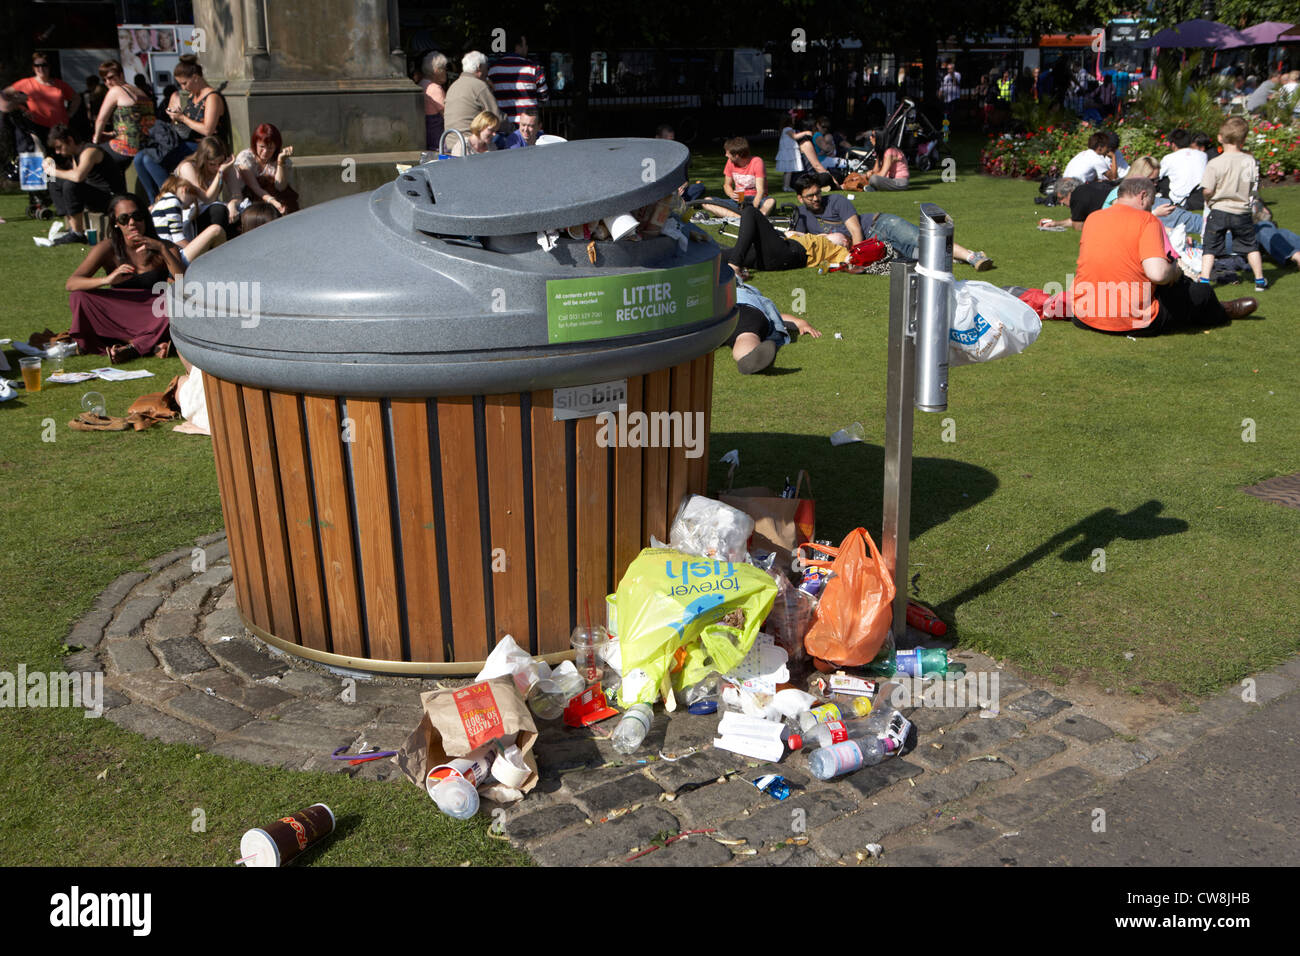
604,307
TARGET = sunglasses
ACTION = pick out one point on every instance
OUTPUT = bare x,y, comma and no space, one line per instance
40,64
124,217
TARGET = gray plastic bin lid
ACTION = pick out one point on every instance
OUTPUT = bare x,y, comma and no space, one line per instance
436,284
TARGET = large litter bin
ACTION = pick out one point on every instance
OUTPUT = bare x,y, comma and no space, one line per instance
388,377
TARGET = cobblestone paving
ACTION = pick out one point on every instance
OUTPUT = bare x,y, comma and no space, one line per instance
179,667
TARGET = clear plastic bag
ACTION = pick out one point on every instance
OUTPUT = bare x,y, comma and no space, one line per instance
711,529
792,615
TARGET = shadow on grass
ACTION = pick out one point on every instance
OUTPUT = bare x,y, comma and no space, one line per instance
1085,538
848,481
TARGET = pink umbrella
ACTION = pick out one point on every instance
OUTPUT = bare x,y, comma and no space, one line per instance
1196,34
1267,33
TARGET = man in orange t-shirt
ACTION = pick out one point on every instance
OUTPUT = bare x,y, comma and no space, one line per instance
1127,284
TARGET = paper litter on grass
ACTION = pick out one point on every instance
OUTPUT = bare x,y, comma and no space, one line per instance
121,375
70,378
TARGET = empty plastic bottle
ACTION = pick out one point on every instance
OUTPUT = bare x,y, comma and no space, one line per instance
837,731
923,662
839,759
818,715
631,730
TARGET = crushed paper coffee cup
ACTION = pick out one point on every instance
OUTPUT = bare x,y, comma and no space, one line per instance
510,769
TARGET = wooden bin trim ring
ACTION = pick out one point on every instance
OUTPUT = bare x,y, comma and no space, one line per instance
321,528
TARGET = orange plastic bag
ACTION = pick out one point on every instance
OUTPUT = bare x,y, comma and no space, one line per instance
856,606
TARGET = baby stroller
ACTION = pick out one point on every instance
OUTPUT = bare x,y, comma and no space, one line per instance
911,133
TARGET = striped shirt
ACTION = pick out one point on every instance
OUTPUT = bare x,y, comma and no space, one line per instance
517,82
169,218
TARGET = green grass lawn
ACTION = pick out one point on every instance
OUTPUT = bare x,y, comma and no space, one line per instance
1084,442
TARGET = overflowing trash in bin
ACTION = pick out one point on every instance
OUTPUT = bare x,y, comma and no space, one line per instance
699,623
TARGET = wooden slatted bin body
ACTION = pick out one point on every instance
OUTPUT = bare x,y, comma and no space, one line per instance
408,535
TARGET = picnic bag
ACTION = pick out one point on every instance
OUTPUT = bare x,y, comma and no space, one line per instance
856,607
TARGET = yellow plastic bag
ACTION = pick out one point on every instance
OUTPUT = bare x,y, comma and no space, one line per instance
682,617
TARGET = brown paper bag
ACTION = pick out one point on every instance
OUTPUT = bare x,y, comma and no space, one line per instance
459,721
780,524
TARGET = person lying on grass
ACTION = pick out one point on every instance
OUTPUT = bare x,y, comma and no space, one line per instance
761,330
833,215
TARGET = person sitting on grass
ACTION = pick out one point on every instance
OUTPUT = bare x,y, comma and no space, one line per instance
833,214
126,320
210,170
1144,167
744,178
890,173
1184,168
814,161
89,184
1096,162
175,196
1125,281
761,330
1229,186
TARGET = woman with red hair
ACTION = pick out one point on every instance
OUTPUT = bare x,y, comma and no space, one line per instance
264,170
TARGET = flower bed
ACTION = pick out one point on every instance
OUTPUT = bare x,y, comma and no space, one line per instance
1046,150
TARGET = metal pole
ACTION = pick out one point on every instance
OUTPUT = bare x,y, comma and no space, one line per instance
899,396
917,378
932,309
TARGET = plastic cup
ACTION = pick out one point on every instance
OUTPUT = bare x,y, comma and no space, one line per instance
587,644
621,226
93,402
55,355
846,436
92,235
31,373
547,699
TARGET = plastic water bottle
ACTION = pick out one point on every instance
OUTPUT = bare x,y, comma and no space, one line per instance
837,731
631,730
922,662
846,757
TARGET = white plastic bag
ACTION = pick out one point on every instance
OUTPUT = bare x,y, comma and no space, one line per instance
987,323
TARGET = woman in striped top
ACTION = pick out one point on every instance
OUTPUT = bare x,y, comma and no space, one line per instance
176,196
